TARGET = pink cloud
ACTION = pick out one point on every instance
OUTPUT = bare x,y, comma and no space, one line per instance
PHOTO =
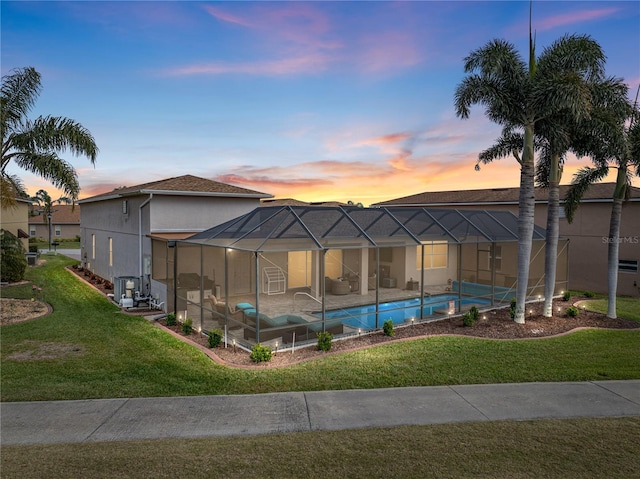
388,51
306,64
573,17
224,16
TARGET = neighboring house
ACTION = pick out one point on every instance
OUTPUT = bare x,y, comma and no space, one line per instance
127,232
588,234
65,223
15,220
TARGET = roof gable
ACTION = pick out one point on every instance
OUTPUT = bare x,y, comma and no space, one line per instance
186,185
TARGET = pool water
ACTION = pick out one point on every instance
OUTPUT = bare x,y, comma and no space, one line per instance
364,317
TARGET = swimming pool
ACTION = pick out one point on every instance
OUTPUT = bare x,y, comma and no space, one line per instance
364,317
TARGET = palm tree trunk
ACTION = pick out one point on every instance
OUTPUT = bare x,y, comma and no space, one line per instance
525,222
553,232
614,241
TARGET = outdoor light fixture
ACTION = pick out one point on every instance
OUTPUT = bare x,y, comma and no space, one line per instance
359,331
412,320
276,348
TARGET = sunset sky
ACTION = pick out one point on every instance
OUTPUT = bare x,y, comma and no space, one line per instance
317,101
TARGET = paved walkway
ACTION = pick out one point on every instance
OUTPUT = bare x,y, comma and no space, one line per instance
208,416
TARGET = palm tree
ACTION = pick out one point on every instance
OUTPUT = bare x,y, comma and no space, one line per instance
517,96
560,135
34,145
612,142
43,199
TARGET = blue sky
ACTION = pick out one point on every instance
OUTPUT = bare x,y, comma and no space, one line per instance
311,100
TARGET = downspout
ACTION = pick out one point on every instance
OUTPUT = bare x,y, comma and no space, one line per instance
141,259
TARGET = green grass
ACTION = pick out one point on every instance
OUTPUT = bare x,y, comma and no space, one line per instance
563,449
626,307
109,354
64,244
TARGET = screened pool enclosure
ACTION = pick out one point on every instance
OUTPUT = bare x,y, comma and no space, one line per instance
280,275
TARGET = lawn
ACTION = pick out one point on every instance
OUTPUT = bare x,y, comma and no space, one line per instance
562,449
103,353
100,352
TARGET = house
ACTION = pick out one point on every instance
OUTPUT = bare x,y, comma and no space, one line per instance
282,274
587,234
65,223
15,220
126,233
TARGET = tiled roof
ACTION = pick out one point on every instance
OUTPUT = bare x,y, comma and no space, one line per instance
598,191
186,185
61,214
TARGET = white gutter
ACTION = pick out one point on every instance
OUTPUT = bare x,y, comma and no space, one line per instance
145,203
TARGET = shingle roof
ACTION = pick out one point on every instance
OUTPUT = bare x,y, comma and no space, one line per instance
294,202
598,191
186,185
61,214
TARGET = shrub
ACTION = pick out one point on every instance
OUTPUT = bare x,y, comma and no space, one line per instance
512,308
14,262
572,311
171,319
566,296
324,341
475,314
33,248
387,327
260,353
589,294
468,319
215,336
187,326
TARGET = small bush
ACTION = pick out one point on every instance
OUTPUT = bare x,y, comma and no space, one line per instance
13,261
324,341
566,296
475,314
387,327
468,319
512,308
171,319
187,326
260,353
215,337
572,311
589,294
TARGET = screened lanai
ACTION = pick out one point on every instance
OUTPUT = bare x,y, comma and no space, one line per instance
279,275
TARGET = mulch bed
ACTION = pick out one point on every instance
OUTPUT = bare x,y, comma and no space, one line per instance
495,325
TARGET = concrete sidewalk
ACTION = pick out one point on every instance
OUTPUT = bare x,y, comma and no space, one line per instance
207,416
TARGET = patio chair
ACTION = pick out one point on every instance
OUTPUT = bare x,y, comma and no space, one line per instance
223,309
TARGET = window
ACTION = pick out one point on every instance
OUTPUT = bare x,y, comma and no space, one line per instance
628,266
58,230
32,231
435,255
110,251
93,246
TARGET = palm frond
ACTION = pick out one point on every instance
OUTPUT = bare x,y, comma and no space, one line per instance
52,168
19,92
580,184
59,134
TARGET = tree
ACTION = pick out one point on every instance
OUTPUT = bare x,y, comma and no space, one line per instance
46,204
561,134
612,142
517,95
34,145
